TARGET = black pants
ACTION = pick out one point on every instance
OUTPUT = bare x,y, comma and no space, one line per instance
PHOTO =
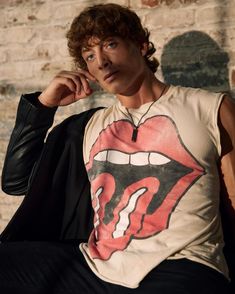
60,268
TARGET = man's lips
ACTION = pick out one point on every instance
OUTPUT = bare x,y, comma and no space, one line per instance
110,76
155,126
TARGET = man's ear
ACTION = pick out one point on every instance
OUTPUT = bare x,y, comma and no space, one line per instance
144,49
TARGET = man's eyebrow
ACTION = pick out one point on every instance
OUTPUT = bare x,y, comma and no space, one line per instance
85,49
88,48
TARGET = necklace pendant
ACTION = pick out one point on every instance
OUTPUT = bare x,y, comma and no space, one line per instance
134,134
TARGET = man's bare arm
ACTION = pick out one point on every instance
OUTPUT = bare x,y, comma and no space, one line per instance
227,167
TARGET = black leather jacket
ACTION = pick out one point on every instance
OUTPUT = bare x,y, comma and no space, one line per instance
51,175
26,143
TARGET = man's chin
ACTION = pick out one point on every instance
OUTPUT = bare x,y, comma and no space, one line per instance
112,89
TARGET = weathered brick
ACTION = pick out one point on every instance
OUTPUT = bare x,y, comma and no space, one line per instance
43,12
3,56
18,52
215,14
120,2
150,3
62,48
45,51
17,16
27,13
19,34
224,36
6,211
159,3
6,89
165,18
16,70
6,199
46,70
53,32
3,223
68,11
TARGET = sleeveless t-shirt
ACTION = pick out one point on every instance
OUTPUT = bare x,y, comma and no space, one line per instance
156,198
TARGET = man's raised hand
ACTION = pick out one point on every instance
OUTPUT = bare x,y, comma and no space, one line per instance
66,88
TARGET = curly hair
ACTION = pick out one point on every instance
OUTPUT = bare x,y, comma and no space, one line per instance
103,21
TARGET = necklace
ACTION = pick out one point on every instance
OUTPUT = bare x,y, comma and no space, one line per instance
136,127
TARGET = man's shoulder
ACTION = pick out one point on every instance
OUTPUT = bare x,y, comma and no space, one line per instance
196,94
193,91
74,124
78,119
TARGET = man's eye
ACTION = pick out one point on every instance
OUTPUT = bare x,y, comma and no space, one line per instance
112,45
90,57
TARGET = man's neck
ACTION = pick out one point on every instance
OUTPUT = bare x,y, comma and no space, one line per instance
150,90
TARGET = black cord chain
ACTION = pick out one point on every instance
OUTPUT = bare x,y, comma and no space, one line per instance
135,127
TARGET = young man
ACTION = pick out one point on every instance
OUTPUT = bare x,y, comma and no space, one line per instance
152,162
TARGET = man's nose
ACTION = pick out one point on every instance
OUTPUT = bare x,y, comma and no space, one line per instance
103,61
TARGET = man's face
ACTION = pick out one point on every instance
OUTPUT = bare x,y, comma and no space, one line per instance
117,64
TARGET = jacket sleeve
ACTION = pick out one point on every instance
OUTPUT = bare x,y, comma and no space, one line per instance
26,142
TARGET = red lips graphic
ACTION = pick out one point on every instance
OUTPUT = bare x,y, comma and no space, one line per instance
136,185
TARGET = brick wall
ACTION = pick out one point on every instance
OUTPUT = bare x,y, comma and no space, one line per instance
195,42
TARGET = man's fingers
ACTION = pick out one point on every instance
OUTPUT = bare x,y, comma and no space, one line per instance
68,82
78,73
86,73
80,79
86,86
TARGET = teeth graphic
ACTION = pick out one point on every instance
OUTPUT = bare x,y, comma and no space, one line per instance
124,222
118,157
137,159
140,158
101,156
157,159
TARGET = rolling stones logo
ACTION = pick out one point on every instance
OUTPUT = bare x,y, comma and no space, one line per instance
136,185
